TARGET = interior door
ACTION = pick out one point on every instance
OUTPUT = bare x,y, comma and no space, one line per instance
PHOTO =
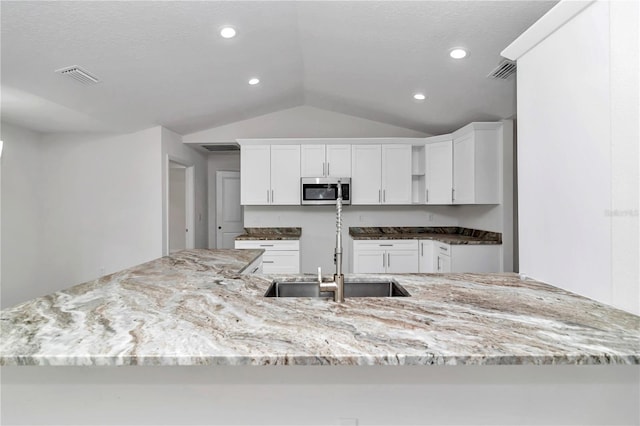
229,218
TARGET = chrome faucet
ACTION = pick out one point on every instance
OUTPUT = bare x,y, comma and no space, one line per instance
337,285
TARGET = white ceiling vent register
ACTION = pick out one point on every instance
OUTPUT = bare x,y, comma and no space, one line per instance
504,70
79,74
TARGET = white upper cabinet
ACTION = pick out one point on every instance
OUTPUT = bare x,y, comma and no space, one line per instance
366,174
396,174
381,174
439,172
285,174
255,174
476,164
325,160
270,174
339,160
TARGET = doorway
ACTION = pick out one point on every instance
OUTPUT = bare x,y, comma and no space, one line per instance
180,211
229,217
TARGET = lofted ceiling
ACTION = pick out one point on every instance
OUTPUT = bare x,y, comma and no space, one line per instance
164,63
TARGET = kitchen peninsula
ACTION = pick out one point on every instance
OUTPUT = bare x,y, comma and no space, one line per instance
196,308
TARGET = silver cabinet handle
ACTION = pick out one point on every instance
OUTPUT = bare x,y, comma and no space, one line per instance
267,261
453,194
272,196
438,263
384,260
328,168
389,260
323,169
427,195
267,196
266,245
379,196
384,195
255,269
421,249
385,245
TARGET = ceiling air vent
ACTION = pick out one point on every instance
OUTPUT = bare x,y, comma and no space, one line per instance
504,70
221,147
79,74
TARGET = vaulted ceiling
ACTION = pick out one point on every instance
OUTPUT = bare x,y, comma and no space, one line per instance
164,63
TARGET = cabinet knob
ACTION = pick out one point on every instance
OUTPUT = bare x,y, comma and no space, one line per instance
219,227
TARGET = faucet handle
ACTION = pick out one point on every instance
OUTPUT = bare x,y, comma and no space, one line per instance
319,274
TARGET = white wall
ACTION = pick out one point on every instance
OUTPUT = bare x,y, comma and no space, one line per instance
102,201
578,156
219,161
21,215
173,149
300,122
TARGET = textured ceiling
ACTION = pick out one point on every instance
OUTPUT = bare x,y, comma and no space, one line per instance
163,63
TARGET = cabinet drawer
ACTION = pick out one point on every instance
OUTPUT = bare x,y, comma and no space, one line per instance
281,262
442,249
385,244
268,245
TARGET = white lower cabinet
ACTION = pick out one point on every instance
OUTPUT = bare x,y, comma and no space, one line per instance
466,257
385,256
441,257
426,257
280,256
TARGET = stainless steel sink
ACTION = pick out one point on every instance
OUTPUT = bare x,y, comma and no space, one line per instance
369,288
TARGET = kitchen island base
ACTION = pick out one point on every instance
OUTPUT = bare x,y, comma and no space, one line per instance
302,395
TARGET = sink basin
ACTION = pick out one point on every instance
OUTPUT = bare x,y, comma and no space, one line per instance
369,288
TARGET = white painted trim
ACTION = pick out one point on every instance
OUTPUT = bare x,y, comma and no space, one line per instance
330,141
544,27
477,125
190,202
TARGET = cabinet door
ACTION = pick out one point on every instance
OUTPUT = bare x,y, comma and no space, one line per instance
426,256
402,261
339,160
312,161
464,170
366,174
369,261
439,172
255,175
396,174
443,263
285,174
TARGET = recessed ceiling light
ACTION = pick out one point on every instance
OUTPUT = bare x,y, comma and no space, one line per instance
227,32
458,53
254,81
419,97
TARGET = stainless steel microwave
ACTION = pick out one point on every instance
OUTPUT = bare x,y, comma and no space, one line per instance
324,190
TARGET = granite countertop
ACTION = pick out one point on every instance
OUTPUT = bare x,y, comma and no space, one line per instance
445,234
195,308
270,234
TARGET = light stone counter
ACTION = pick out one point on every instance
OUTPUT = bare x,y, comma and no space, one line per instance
194,308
